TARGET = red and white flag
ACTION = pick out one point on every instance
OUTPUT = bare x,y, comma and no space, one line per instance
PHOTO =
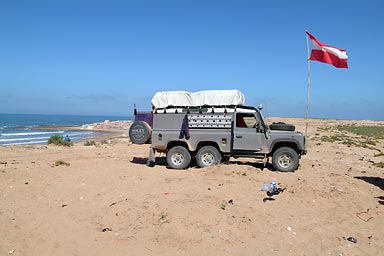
328,54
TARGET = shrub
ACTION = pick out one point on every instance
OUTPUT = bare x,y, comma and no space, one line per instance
59,140
61,162
90,143
376,132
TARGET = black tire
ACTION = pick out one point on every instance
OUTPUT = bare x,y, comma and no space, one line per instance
208,156
281,126
178,158
140,132
285,159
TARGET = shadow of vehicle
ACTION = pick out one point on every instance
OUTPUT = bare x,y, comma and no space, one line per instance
144,160
162,161
253,164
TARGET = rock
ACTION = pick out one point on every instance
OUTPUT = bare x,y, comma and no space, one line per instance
106,229
351,239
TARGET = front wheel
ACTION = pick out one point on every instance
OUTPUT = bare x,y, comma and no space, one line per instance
208,156
285,159
178,157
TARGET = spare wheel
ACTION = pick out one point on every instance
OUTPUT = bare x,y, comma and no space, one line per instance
281,126
140,132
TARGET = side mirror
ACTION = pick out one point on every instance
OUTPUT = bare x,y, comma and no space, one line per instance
260,106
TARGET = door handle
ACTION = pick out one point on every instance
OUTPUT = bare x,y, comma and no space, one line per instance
239,137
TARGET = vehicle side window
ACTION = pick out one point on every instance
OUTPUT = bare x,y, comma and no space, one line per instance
245,120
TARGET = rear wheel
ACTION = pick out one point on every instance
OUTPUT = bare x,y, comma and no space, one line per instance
285,159
208,156
178,157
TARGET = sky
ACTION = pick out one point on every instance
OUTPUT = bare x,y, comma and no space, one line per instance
101,57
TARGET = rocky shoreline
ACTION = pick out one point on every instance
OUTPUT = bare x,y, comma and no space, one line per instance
119,125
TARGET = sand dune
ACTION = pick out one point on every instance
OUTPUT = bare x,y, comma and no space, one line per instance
104,200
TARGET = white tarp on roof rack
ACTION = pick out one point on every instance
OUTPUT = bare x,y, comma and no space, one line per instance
195,99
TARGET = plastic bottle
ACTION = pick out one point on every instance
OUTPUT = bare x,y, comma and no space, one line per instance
265,188
271,187
274,187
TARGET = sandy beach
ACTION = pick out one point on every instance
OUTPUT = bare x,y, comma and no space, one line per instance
104,200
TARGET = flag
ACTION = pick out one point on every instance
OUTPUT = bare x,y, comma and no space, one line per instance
328,54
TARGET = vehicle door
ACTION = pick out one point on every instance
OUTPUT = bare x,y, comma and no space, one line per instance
246,135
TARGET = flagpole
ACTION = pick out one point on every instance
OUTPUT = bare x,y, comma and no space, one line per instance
308,94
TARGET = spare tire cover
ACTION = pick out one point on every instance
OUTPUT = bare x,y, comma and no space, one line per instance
140,132
282,126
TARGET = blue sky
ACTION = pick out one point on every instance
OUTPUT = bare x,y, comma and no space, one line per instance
101,57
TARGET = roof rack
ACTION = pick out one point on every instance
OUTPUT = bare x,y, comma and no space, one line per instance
201,109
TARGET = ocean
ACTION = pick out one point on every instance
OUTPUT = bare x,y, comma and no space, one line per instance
20,129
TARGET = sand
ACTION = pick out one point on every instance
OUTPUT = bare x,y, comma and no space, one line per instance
104,200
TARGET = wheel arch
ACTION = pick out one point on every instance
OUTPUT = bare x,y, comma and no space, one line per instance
208,143
280,144
177,143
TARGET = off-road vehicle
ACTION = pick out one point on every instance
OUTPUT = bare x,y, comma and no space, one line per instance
213,126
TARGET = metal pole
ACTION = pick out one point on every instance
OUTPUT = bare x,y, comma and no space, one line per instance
308,93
